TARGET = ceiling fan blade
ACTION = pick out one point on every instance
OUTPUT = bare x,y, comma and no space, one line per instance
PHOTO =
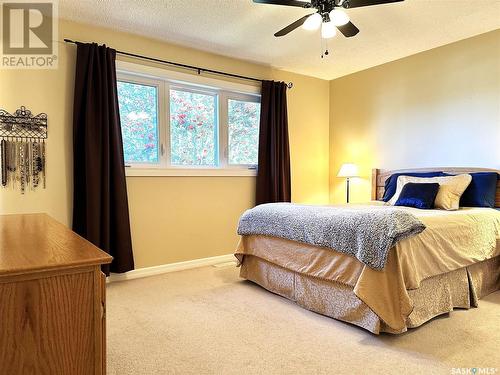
290,3
364,3
349,29
292,26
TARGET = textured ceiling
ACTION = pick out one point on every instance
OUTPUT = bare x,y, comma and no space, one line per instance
242,29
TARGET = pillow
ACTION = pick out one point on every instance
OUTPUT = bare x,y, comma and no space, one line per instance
481,191
391,182
418,195
451,189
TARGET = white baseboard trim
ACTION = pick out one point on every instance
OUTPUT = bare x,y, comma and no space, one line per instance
171,267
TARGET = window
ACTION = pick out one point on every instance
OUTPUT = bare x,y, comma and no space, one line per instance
174,126
243,128
193,128
138,105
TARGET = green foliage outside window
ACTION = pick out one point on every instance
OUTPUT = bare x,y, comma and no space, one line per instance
139,122
193,128
243,119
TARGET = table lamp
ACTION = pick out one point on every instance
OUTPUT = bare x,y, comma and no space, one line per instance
348,170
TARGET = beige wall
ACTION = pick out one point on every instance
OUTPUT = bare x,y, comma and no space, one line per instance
437,108
173,218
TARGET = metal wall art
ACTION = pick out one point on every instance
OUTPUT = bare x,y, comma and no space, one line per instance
22,149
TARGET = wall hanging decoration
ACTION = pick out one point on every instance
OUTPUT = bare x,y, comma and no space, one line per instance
22,149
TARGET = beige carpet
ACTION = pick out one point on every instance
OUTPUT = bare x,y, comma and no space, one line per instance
208,321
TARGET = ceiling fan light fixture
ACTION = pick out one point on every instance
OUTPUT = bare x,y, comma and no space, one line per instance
339,17
313,22
328,30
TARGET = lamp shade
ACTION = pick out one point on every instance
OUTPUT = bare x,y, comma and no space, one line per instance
339,17
348,170
313,22
328,30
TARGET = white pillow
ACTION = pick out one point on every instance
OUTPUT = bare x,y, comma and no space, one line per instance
451,189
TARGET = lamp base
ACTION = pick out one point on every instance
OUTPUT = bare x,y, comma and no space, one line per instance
347,189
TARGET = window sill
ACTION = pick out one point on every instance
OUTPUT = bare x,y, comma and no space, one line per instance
188,172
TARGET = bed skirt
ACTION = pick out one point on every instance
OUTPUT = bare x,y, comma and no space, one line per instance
437,295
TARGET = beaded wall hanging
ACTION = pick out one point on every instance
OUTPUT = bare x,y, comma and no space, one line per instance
22,149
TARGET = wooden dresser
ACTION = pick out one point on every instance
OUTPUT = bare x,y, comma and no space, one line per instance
52,299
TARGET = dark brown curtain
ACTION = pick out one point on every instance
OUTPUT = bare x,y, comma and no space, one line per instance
100,204
273,176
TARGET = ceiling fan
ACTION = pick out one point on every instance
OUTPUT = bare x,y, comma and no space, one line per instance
328,16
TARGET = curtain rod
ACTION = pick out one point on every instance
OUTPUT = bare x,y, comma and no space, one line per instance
185,66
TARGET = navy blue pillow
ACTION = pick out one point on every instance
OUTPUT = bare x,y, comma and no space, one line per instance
418,195
481,191
391,182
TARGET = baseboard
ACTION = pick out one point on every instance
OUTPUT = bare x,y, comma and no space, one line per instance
171,267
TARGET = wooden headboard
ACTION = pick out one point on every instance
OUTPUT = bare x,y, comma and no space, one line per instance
380,175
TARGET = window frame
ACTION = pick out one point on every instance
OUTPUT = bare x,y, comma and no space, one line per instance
216,95
165,80
158,85
236,97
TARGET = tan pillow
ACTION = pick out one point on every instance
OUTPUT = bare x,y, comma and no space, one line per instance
451,189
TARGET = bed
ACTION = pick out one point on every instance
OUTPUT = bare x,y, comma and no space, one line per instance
453,263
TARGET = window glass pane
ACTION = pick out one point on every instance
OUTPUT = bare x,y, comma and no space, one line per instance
243,131
193,128
139,120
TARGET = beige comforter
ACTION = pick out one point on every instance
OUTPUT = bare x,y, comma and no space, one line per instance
452,240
